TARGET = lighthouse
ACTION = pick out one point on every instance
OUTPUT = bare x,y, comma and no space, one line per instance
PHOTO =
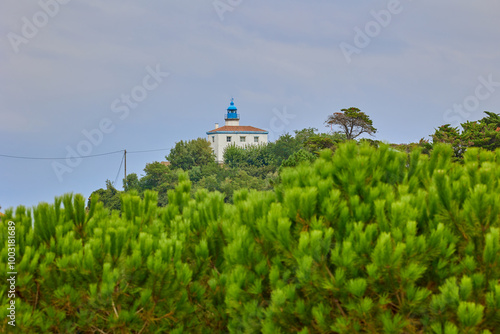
232,133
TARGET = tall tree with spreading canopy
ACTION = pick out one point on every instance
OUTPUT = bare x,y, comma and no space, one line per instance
188,154
352,121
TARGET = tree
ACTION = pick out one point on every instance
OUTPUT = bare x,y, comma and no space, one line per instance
187,154
297,158
284,147
484,133
240,181
159,178
449,135
316,143
110,197
481,134
156,174
234,156
301,136
353,122
258,156
423,145
131,182
491,119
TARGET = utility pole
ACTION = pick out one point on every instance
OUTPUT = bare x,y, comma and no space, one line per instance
125,157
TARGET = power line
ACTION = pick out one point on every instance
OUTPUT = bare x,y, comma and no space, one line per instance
46,158
83,156
119,169
160,149
124,157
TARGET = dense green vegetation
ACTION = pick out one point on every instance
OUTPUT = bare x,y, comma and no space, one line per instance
255,168
369,240
258,168
484,133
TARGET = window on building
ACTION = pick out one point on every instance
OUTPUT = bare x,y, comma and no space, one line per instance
243,139
213,139
228,139
256,139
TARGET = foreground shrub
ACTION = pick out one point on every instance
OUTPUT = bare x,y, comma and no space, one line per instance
366,240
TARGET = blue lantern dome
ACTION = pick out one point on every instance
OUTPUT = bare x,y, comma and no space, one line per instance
232,111
232,107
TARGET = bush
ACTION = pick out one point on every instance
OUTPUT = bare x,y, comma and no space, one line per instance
364,240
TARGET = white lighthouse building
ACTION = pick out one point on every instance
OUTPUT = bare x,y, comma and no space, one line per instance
232,133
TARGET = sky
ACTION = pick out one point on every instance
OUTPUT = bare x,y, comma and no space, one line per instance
88,78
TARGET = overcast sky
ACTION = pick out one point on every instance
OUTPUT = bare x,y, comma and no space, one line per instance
92,77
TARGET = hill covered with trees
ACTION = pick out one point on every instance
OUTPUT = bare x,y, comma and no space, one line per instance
254,168
258,167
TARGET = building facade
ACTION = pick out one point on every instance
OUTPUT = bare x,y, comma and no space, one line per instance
232,133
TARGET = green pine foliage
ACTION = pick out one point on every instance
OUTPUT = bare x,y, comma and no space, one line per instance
363,240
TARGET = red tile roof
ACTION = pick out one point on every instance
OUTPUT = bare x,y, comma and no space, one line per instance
236,129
